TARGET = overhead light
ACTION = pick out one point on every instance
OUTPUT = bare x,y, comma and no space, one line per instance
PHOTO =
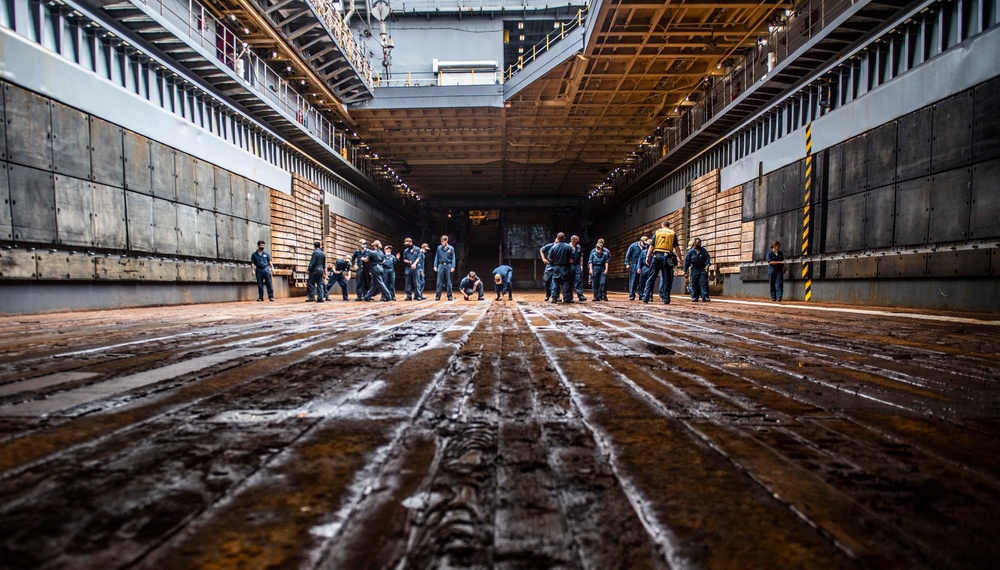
520,25
246,31
520,50
521,37
555,25
274,55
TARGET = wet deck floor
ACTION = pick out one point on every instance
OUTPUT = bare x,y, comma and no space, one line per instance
507,435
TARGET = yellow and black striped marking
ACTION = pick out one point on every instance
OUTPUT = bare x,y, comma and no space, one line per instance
806,217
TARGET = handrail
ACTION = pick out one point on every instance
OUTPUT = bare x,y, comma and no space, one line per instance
796,28
345,39
550,39
256,75
430,78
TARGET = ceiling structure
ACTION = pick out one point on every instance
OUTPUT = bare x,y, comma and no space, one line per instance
560,135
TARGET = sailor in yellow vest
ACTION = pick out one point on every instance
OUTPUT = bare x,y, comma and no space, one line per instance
662,257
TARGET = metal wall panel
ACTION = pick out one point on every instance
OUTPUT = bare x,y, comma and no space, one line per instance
820,180
773,185
903,265
205,181
16,264
792,186
137,163
187,230
60,265
749,200
223,192
852,222
140,221
263,233
207,246
913,145
162,171
760,199
950,195
106,153
239,195
829,269
254,207
70,142
835,172
859,268
831,234
951,145
882,156
187,190
265,205
74,211
6,226
33,204
855,165
241,239
753,273
3,123
817,215
985,213
968,263
215,272
760,241
120,268
986,121
794,220
164,226
192,271
109,217
913,206
257,210
29,128
224,236
161,270
880,216
995,262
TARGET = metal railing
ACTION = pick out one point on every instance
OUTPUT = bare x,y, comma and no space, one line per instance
447,6
345,39
427,78
210,33
788,32
551,38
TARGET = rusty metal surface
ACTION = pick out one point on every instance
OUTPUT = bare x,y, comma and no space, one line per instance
498,434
